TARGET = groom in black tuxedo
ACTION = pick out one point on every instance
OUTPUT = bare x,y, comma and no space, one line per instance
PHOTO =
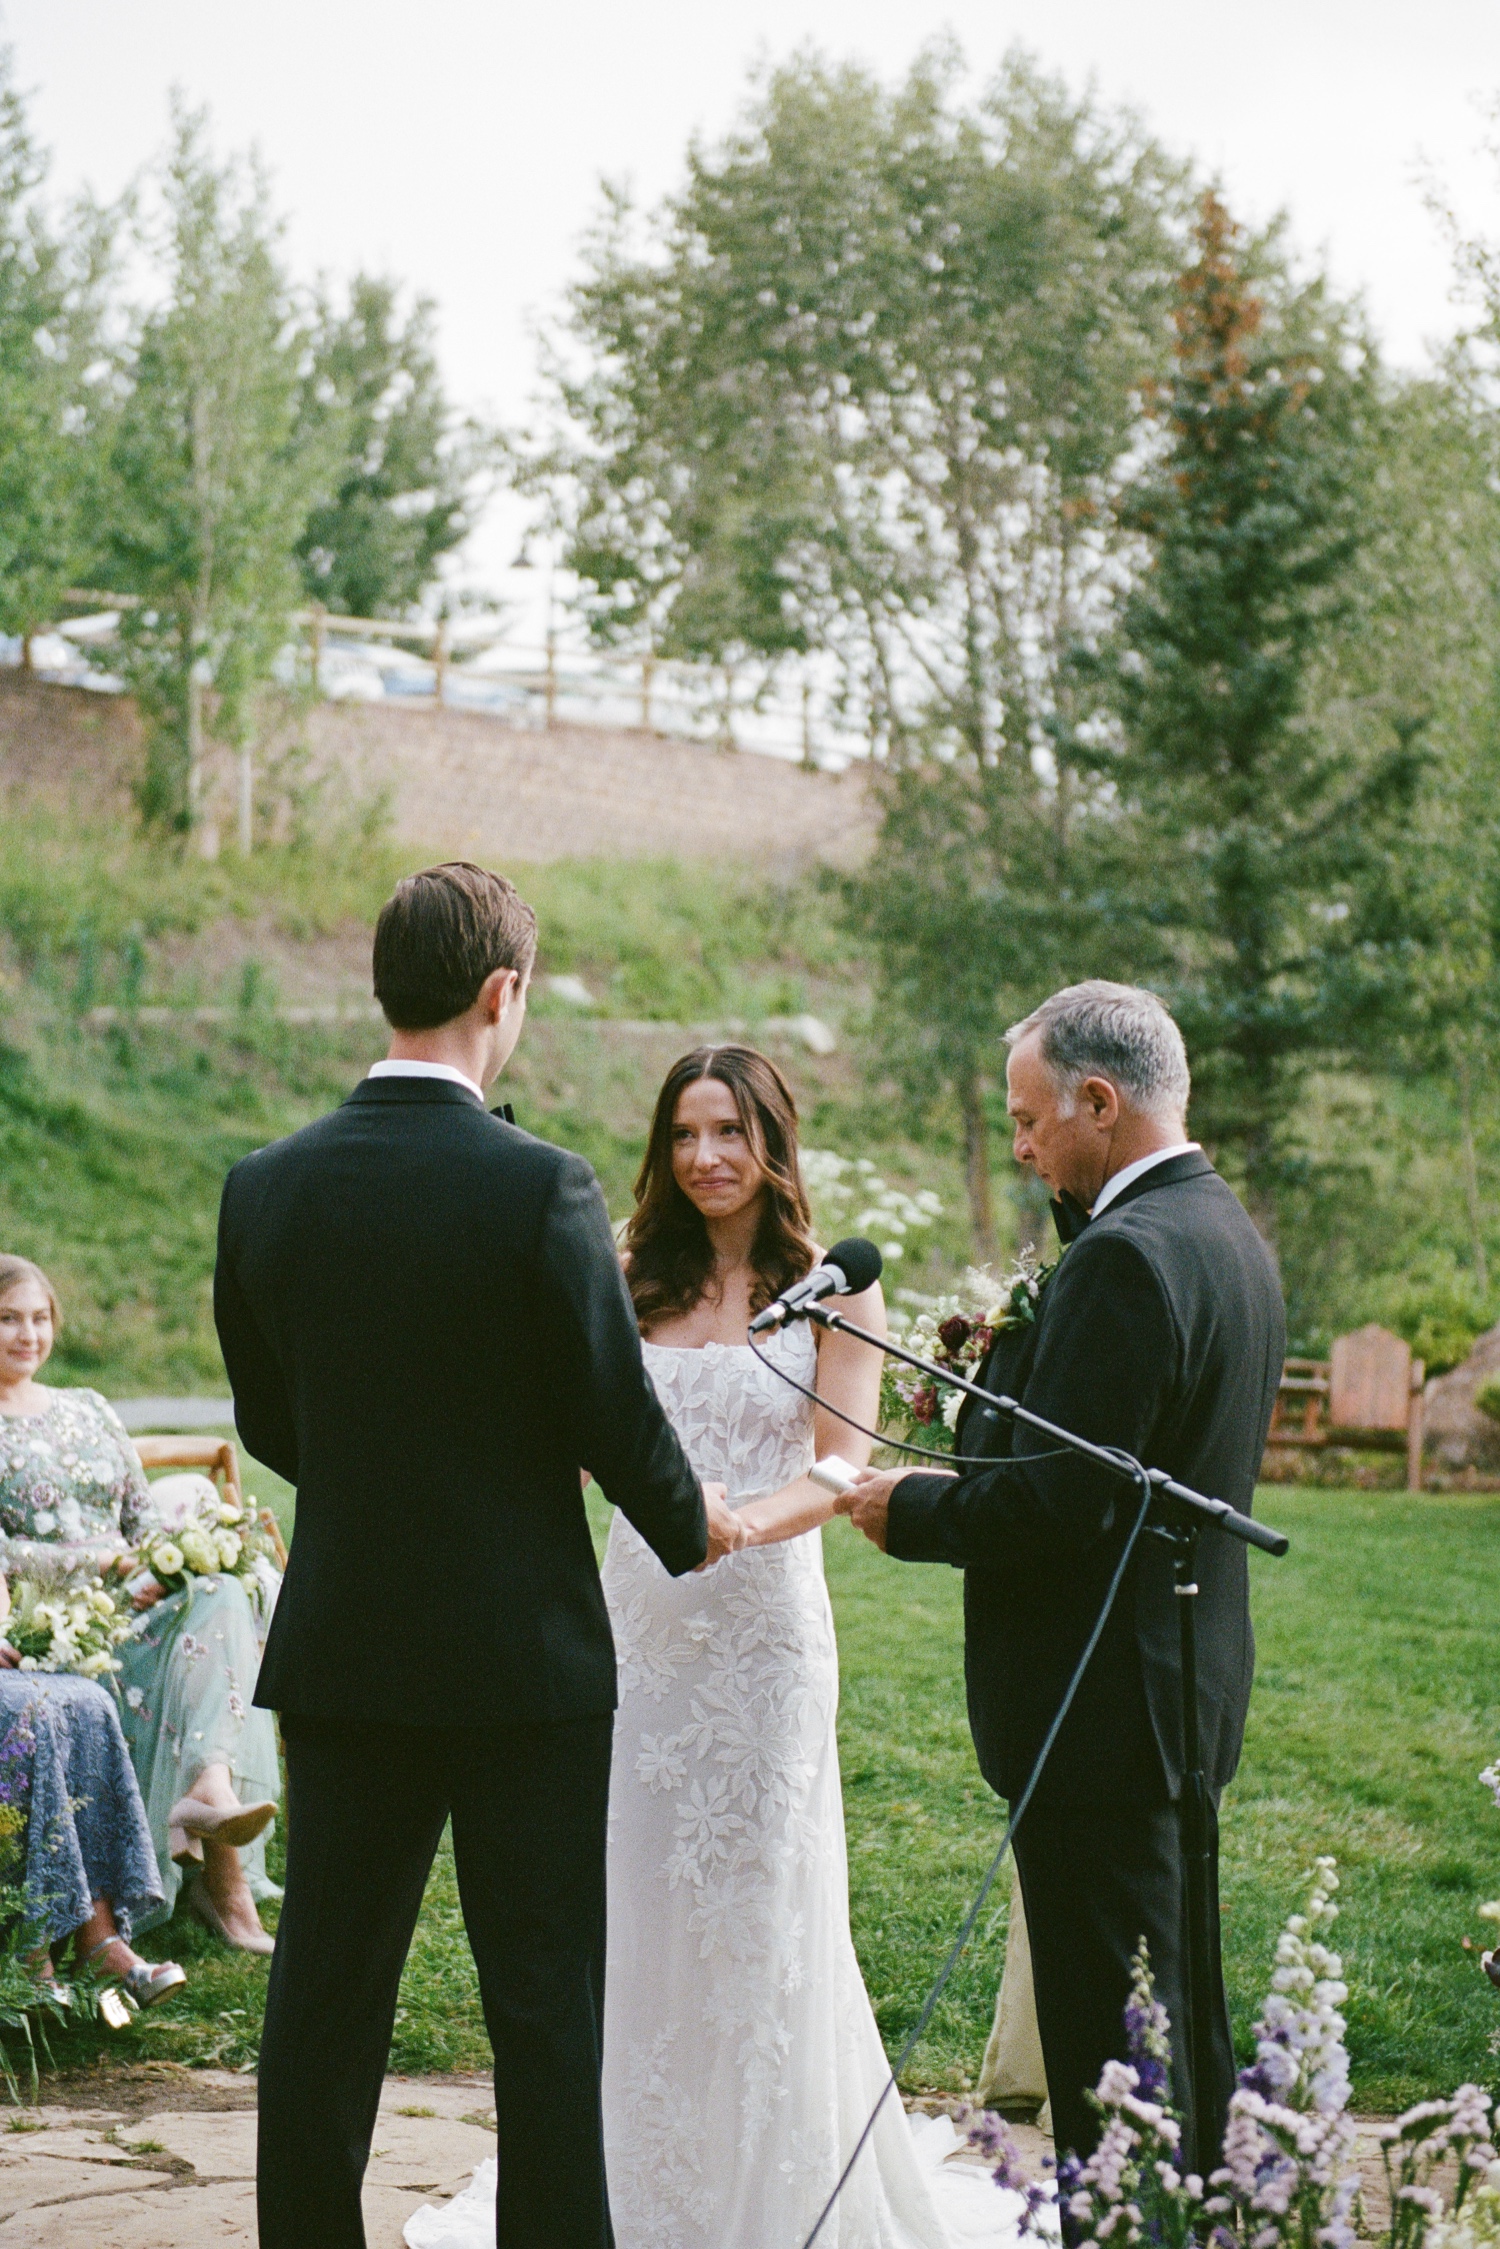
1161,1332
427,1332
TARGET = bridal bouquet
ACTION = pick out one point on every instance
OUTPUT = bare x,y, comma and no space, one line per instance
75,1626
958,1332
200,1534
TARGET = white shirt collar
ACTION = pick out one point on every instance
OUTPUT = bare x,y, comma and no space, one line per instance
425,1070
1122,1179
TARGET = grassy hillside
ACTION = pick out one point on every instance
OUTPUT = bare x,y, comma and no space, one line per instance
114,1138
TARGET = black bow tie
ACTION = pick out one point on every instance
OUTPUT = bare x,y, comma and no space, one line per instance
1069,1217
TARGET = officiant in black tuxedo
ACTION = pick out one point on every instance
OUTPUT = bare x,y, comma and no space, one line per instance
1162,1332
427,1332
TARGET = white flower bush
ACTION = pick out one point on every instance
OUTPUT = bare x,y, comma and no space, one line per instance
848,1192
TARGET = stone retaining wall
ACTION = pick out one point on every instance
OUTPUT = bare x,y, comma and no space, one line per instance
465,784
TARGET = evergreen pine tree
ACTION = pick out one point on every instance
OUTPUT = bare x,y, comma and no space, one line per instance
1264,839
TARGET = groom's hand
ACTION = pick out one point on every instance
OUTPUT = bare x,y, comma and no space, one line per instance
726,1533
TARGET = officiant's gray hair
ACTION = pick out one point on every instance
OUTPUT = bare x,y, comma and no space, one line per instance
1114,1031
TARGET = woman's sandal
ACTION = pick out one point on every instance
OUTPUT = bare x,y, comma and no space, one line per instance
148,1982
192,1823
201,1906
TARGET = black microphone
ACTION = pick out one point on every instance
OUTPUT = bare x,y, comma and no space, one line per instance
848,1269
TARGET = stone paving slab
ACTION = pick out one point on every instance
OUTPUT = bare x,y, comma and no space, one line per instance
162,2217
180,2177
157,2173
173,2165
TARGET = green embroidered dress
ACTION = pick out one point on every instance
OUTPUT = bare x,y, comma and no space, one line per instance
72,1495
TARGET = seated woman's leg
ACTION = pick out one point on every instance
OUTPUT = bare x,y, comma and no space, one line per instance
187,1676
65,1769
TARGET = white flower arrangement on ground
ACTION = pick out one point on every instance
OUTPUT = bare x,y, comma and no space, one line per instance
847,1191
75,1627
1290,2178
203,1534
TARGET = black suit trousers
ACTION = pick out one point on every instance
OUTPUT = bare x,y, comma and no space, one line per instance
1095,1879
366,1807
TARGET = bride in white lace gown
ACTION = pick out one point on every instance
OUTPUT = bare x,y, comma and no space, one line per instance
741,2056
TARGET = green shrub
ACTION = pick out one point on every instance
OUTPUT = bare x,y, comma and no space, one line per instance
1487,1397
1441,1314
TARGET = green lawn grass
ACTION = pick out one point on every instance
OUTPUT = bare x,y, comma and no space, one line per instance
1377,1701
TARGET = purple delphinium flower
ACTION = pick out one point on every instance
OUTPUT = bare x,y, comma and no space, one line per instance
1148,2034
990,2134
1151,2072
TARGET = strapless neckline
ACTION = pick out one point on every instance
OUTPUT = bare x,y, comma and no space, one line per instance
693,1348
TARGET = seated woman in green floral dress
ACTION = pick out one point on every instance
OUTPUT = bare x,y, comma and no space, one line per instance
72,1495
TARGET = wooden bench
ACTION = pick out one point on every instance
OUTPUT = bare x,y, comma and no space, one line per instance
217,1456
1367,1395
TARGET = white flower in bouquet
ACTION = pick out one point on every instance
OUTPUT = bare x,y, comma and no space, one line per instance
957,1332
75,1627
201,1532
200,1551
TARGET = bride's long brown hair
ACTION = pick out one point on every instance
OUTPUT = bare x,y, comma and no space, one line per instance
666,1242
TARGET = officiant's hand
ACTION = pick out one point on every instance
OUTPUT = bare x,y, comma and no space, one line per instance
867,1503
726,1533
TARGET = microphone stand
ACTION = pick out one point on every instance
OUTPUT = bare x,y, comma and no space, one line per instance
1177,1516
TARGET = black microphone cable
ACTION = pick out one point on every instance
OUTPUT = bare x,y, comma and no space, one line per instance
899,1444
970,1920
966,1929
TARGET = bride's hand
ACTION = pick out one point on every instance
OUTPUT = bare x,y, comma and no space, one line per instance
726,1533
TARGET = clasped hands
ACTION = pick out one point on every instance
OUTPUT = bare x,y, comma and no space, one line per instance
867,1503
726,1533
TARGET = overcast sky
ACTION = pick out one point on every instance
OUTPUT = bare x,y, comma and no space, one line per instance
459,143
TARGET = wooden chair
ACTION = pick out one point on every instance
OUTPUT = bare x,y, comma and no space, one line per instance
1375,1396
1368,1395
1300,1415
218,1457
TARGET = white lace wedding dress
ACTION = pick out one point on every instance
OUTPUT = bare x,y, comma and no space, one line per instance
741,2057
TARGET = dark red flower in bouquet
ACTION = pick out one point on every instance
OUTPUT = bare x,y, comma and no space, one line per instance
953,1335
924,1403
984,1338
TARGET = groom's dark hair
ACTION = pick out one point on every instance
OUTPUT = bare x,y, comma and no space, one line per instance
440,934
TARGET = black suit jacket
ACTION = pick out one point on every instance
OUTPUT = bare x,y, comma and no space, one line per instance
427,1332
1162,1331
